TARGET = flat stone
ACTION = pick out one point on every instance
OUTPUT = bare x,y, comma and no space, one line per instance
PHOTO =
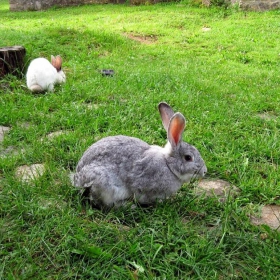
28,173
3,130
216,187
206,3
270,216
9,151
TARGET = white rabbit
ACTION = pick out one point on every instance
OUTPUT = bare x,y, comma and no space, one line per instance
42,75
119,168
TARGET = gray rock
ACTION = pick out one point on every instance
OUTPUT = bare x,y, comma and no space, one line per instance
270,216
3,130
216,187
29,173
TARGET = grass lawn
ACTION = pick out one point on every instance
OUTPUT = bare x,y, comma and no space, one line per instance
219,67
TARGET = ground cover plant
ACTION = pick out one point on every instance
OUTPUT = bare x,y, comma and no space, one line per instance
219,67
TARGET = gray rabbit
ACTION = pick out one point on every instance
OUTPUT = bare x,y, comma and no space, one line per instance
116,169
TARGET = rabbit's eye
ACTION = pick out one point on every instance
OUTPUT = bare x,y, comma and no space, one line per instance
188,158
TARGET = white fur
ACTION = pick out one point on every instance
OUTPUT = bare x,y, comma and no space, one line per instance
186,178
41,75
115,194
166,150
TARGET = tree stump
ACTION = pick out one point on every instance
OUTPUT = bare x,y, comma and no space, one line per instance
12,60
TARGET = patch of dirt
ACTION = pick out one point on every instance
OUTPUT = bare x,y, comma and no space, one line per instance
143,39
206,29
216,187
91,106
48,204
270,216
54,134
29,173
3,130
124,228
5,86
267,116
24,125
104,54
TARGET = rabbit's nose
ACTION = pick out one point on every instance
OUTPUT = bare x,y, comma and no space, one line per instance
203,170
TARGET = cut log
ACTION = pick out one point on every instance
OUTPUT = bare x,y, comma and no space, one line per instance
12,60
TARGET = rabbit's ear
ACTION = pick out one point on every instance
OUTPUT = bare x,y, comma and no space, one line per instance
166,114
58,62
53,60
176,129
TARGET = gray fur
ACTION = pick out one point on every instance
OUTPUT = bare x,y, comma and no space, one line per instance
120,168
